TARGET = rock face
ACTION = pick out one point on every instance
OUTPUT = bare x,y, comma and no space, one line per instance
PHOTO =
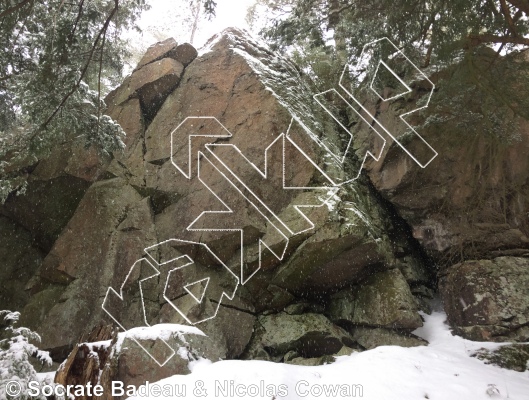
383,300
371,338
471,201
488,299
183,53
151,84
21,259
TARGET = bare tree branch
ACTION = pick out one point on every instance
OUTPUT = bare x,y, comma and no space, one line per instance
508,17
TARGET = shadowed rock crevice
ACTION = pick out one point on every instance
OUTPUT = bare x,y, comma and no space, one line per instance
157,75
46,207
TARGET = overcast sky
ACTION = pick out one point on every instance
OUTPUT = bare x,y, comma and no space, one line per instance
164,18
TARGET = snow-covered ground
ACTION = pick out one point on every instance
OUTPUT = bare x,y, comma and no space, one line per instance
443,370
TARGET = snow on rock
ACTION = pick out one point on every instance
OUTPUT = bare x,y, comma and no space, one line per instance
161,331
128,356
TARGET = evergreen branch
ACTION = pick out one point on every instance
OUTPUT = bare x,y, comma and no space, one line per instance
101,33
517,16
492,7
336,11
521,5
16,7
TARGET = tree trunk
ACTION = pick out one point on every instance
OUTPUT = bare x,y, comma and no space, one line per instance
334,22
195,21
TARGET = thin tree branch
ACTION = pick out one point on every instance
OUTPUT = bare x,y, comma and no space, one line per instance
428,56
489,38
423,35
195,21
79,14
492,7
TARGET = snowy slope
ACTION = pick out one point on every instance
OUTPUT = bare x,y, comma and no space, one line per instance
443,370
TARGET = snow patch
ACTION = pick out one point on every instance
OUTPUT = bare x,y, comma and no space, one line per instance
443,370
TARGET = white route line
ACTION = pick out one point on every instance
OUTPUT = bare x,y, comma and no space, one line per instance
203,291
264,174
397,51
408,89
272,221
121,296
187,174
190,262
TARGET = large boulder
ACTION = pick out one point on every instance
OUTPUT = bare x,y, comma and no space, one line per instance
470,202
151,84
383,300
183,53
488,300
307,335
233,83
